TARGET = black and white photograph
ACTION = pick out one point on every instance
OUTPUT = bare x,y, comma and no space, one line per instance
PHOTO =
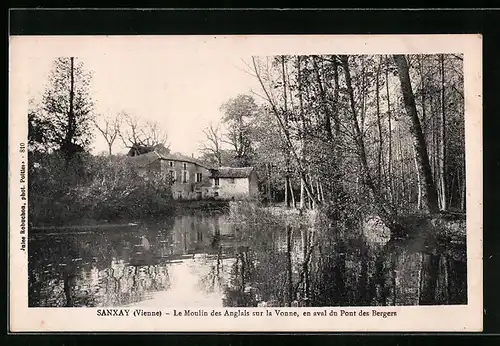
184,181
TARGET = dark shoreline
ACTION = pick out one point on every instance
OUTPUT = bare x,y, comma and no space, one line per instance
187,207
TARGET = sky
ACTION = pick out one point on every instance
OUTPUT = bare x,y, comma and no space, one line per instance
182,90
181,81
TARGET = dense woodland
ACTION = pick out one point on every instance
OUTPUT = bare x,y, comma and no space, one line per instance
361,134
378,133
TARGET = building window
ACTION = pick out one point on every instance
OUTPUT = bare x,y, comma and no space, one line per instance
216,194
171,175
231,180
170,164
184,177
198,177
216,181
184,165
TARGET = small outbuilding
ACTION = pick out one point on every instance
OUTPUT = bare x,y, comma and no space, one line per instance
234,183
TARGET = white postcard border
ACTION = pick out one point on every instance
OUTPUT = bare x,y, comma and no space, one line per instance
416,318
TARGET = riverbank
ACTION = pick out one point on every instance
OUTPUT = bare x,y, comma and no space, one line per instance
211,205
88,225
83,228
443,226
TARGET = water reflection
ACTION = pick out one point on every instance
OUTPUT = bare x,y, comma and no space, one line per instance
207,261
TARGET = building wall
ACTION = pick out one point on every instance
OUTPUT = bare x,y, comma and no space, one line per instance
231,188
228,188
189,189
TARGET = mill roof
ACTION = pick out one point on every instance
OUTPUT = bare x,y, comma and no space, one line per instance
232,172
145,159
183,158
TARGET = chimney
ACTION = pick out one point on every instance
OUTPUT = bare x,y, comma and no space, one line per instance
192,155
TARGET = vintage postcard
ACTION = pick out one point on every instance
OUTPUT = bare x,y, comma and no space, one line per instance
245,183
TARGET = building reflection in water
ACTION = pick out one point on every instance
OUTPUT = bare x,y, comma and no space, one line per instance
204,260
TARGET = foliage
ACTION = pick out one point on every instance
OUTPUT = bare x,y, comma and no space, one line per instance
137,135
239,114
340,126
93,188
63,120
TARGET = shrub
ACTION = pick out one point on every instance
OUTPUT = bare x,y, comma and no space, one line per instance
94,187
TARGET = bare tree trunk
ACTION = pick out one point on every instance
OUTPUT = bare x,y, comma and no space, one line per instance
451,190
289,264
321,192
315,193
419,182
442,151
363,94
385,211
302,135
287,150
429,196
318,190
379,125
302,195
287,199
291,193
401,163
68,289
434,141
305,265
389,156
324,103
268,183
288,140
422,83
336,98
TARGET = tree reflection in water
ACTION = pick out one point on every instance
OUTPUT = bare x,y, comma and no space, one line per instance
243,266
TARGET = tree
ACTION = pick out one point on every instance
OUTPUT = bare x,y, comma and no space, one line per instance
67,107
285,131
238,115
429,195
211,147
442,149
141,137
346,125
39,131
109,128
384,209
269,153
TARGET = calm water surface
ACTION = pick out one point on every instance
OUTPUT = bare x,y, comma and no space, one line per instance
205,261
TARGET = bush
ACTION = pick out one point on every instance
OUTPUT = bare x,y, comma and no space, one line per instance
93,188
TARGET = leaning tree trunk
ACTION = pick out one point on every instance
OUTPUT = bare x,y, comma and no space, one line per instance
303,126
429,196
386,212
287,150
389,139
288,140
442,148
268,183
379,126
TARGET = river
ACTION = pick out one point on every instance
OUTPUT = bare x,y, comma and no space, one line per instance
203,260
